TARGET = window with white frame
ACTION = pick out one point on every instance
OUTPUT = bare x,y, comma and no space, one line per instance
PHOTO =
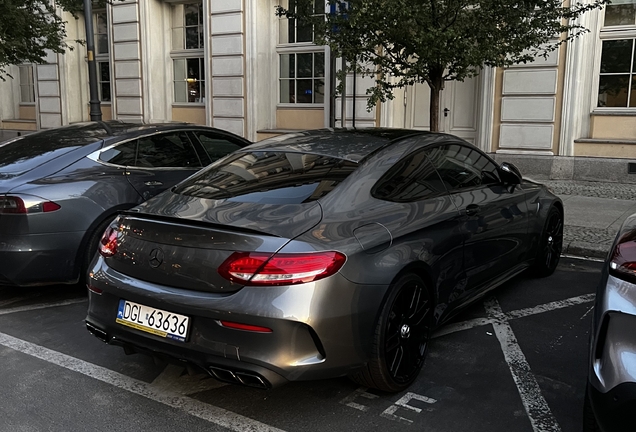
27,87
187,53
301,62
617,75
100,26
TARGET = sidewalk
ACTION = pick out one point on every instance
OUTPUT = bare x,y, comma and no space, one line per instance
594,211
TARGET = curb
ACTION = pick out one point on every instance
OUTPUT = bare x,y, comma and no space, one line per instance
586,250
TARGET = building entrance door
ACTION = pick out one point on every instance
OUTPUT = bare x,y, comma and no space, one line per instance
458,108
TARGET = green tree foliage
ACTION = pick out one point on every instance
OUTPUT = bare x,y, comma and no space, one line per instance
29,27
403,42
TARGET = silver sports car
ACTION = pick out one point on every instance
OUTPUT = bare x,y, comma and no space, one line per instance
319,254
610,400
60,188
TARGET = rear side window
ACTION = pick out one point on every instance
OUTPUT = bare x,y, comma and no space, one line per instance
269,178
216,146
123,154
413,178
155,151
462,167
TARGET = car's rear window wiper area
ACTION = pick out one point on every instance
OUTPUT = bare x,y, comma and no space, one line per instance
267,177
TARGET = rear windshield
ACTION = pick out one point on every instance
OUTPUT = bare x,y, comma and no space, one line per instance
269,178
35,149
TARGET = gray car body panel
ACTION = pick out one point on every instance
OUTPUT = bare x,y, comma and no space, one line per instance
612,355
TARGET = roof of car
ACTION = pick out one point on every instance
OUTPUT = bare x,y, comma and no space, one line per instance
349,144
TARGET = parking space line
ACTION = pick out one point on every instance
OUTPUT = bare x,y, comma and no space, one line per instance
560,304
519,313
537,408
41,306
210,413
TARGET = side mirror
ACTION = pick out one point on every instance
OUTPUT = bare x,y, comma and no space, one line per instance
510,174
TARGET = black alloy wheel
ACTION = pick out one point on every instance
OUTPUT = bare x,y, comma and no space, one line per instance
402,337
550,244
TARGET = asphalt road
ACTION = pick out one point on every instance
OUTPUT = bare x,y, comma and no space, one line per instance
514,362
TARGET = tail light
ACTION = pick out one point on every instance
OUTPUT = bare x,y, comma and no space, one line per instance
623,259
26,205
246,327
262,269
109,242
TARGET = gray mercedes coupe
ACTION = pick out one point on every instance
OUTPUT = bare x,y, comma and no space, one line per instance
319,254
60,188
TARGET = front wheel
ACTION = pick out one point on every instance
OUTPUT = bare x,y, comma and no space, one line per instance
550,245
401,337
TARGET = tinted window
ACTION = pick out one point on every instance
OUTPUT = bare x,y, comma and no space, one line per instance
124,154
411,179
462,167
269,178
215,145
35,149
166,150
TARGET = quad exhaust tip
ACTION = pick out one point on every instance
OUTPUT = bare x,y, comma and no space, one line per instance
238,377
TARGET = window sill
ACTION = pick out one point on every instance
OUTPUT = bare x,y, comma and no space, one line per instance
626,112
188,104
605,141
303,106
27,103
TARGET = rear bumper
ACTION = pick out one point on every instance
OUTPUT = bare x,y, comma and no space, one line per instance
319,330
39,259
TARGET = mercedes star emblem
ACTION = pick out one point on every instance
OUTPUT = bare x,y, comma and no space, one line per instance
156,258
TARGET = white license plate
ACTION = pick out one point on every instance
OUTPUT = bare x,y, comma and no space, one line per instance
156,321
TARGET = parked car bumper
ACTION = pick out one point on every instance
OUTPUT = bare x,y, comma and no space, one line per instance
322,329
38,259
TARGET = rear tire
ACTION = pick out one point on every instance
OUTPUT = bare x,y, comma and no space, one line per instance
401,337
91,249
550,245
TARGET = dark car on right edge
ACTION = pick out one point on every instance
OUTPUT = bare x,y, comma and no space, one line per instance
610,402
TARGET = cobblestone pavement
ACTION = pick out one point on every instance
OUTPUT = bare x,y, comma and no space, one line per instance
593,189
582,234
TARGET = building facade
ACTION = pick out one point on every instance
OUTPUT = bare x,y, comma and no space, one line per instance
234,65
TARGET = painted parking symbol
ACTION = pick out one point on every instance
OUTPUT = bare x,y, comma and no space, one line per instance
360,392
403,403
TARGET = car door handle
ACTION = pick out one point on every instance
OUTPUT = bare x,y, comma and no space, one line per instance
472,209
153,183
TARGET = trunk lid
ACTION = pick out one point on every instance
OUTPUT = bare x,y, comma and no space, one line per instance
185,240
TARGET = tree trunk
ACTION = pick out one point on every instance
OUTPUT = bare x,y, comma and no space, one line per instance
434,109
436,84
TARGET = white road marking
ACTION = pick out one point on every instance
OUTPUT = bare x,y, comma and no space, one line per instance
547,307
403,402
537,408
210,413
520,313
359,392
460,326
174,379
41,306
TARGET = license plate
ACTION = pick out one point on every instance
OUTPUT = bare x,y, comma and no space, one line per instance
156,321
